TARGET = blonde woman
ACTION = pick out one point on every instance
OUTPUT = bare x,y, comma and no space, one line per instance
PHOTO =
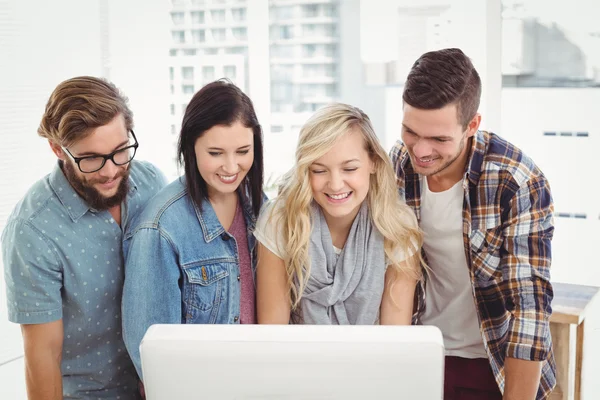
337,246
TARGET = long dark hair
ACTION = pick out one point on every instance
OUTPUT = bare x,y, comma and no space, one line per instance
219,103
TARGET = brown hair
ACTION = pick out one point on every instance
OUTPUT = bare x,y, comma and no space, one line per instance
443,77
80,104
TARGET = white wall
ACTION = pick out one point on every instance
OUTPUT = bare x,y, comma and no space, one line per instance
570,164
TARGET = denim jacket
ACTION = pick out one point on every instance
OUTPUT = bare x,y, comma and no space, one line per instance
181,266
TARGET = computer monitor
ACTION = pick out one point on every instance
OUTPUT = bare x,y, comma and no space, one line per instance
292,362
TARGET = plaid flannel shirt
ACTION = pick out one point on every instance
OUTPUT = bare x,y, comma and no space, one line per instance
507,233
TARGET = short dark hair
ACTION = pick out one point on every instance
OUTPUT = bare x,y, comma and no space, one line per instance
79,105
443,77
220,103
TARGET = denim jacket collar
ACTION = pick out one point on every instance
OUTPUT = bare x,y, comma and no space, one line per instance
211,226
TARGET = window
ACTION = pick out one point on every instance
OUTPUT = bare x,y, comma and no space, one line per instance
173,52
173,130
219,35
198,35
282,72
236,50
328,10
282,92
217,15
276,128
283,12
208,73
172,89
187,73
197,17
172,109
187,89
309,30
230,71
178,18
171,73
198,2
183,107
238,14
310,10
282,51
240,33
286,32
178,36
190,52
309,50
211,51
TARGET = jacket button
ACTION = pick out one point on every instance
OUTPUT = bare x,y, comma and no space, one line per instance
225,236
238,277
235,319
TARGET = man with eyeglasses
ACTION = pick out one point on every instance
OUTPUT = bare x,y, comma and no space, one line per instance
61,246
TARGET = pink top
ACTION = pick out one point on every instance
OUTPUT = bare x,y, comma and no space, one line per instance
247,296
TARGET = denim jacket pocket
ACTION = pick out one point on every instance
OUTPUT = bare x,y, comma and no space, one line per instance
205,288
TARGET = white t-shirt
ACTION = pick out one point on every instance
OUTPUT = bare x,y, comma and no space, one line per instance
450,302
271,236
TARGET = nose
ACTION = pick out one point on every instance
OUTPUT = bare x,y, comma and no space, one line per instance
336,182
109,170
230,165
421,149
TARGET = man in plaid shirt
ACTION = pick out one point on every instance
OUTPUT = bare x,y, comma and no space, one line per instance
487,215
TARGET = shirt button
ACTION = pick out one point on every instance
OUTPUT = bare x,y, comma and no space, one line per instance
235,319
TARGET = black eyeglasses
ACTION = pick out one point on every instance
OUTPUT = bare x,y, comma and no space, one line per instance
95,163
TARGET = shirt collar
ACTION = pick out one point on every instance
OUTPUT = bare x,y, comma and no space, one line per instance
74,204
476,156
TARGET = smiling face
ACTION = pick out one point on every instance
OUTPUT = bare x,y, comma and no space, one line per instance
224,156
107,187
340,179
436,141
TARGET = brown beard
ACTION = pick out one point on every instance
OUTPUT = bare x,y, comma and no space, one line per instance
91,195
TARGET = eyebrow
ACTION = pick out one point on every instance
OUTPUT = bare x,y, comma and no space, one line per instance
220,149
345,162
442,137
89,153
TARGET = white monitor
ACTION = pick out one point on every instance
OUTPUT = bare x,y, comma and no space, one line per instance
299,362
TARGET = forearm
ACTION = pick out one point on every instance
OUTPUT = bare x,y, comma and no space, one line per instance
43,375
522,379
398,296
273,304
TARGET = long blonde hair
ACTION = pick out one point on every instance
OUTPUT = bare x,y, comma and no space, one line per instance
291,209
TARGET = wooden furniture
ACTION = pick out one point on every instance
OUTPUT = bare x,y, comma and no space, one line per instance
567,323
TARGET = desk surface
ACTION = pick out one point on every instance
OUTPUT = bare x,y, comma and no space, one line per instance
571,301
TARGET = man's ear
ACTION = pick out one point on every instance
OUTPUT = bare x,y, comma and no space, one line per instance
473,125
57,149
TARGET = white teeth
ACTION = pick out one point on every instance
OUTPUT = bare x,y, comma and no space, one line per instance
339,196
228,178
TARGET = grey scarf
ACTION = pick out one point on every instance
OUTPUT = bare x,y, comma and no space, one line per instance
344,290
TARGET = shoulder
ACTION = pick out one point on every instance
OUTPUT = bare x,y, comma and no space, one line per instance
146,176
27,212
502,164
398,153
269,229
169,205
